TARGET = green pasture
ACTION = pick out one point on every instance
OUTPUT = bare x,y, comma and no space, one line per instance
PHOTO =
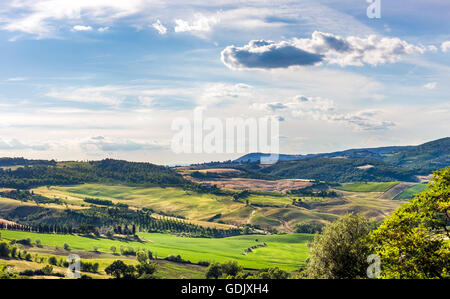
367,187
285,251
411,192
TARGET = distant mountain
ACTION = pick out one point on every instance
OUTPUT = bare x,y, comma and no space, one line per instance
431,155
256,157
340,170
427,157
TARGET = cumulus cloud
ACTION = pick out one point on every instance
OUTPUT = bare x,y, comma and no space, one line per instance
200,23
320,48
445,46
319,109
430,85
103,29
159,27
112,145
81,28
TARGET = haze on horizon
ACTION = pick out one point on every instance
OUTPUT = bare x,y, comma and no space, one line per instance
88,80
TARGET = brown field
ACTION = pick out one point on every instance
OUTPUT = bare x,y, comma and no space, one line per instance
258,185
220,170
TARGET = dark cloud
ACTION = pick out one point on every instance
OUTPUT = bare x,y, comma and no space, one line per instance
321,47
267,55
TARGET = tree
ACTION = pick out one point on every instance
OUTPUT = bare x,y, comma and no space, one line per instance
47,270
340,252
231,268
120,270
214,271
142,257
270,273
5,249
412,242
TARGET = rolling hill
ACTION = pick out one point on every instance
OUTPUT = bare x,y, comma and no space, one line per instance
426,157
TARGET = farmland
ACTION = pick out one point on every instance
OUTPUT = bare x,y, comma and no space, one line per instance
264,209
285,251
367,187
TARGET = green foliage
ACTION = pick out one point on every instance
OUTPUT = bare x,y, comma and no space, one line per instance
309,228
340,252
97,201
231,268
5,249
270,273
214,271
88,172
119,270
47,270
28,196
413,241
429,156
340,170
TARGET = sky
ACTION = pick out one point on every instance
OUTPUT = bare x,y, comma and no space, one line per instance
94,79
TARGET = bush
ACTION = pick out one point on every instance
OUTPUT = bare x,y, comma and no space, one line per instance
340,252
204,263
231,268
52,261
214,271
309,228
5,249
26,242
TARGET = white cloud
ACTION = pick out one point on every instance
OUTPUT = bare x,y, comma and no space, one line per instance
81,28
430,85
321,48
159,27
199,23
103,29
216,93
102,94
15,144
118,144
15,79
445,47
319,109
39,17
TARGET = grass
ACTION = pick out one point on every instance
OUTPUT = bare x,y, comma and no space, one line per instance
267,209
175,201
411,192
285,251
367,187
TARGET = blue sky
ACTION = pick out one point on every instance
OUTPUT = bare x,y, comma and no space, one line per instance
93,79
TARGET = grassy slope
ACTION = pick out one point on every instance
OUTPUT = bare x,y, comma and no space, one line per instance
169,200
269,210
367,187
284,251
410,192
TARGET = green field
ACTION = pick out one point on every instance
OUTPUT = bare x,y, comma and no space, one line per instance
411,192
175,201
367,187
267,211
284,251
